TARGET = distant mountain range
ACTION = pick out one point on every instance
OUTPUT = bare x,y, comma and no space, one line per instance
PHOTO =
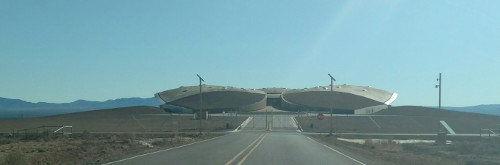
15,108
490,109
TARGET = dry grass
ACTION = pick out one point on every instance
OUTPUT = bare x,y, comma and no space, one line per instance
406,119
14,158
125,132
131,119
463,151
87,148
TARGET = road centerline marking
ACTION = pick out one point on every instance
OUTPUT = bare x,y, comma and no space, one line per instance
250,152
242,151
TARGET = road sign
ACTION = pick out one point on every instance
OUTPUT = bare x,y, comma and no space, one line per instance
320,116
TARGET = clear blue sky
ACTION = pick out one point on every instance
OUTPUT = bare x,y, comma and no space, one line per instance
61,51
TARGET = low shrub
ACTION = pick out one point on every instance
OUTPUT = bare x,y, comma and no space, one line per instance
14,158
5,141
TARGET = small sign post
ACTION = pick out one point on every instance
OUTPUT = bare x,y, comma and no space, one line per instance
320,116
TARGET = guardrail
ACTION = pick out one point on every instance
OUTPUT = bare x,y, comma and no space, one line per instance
42,131
62,130
489,131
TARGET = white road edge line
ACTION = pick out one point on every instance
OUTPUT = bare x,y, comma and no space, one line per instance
296,124
161,151
243,125
357,161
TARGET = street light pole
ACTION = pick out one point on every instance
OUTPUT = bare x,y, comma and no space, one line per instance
439,86
267,122
201,102
331,107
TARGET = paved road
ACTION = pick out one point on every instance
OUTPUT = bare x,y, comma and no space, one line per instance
253,145
275,123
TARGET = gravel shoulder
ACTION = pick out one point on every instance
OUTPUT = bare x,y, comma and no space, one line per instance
462,150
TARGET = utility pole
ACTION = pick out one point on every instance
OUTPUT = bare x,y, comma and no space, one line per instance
439,86
201,101
267,122
331,107
253,121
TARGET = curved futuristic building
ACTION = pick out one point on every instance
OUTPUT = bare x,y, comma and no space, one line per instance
215,99
345,99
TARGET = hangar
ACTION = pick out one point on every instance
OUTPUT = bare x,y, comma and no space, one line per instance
344,99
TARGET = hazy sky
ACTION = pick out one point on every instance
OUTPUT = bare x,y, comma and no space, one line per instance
61,51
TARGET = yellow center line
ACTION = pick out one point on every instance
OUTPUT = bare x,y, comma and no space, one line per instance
250,152
238,155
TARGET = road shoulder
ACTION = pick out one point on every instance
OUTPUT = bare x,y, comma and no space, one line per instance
360,155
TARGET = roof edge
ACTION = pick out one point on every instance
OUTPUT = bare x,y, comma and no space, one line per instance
392,99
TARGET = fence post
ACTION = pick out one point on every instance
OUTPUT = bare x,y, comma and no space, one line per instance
441,138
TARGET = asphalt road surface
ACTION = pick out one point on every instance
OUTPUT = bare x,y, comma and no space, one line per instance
281,144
